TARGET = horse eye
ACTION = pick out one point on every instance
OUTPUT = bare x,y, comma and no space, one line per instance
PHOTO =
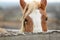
46,18
25,21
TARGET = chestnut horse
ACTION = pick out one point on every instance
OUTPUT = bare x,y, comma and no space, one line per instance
35,21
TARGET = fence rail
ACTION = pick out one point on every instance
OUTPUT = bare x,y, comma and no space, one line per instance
53,35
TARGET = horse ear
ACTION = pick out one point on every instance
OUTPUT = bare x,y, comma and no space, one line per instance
43,4
22,3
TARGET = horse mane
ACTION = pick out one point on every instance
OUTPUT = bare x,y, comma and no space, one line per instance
30,7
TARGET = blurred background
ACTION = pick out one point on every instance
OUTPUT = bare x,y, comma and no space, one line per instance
10,14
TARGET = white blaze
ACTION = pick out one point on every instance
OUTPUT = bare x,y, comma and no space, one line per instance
36,17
